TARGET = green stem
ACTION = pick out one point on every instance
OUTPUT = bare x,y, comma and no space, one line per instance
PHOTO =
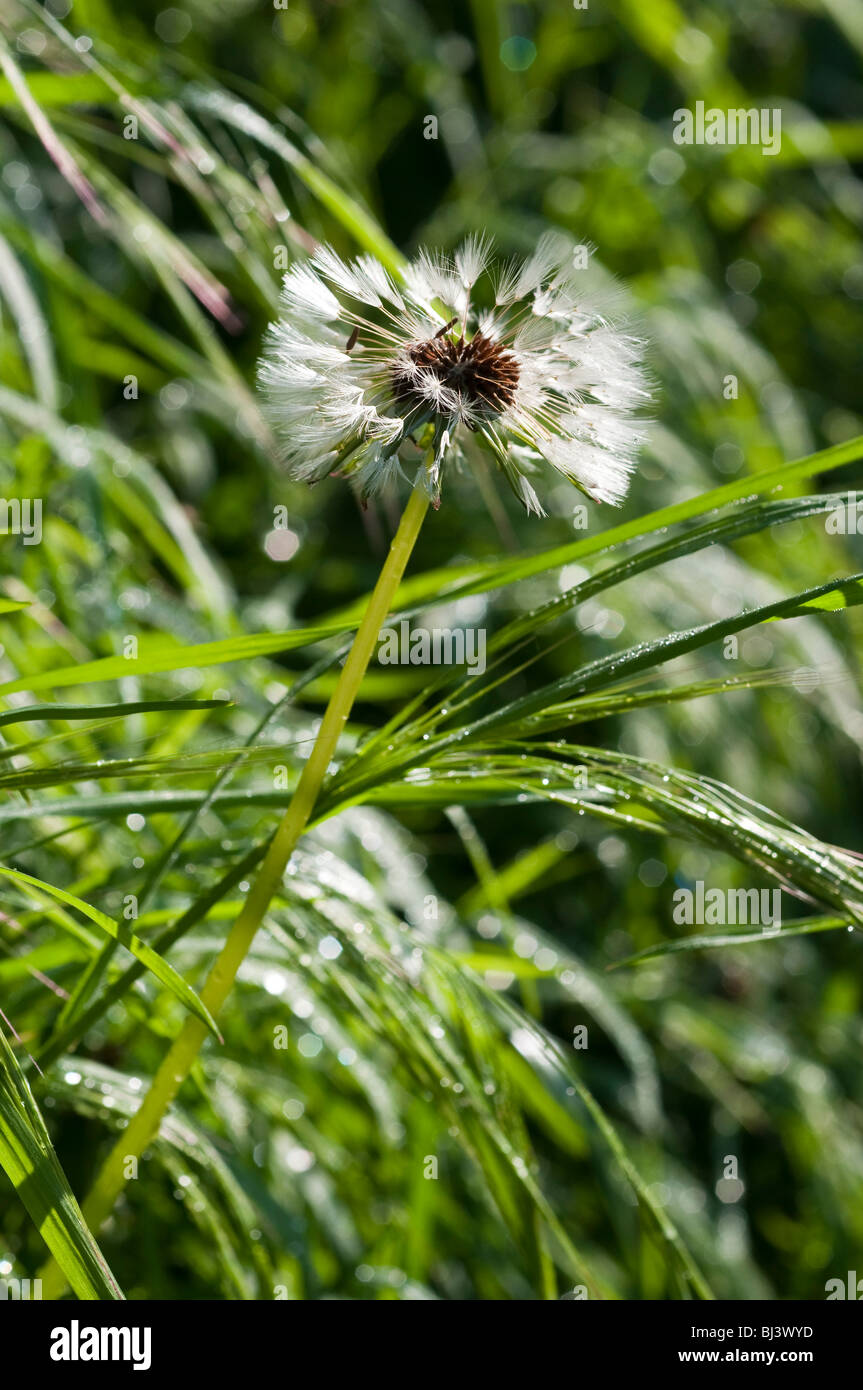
178,1062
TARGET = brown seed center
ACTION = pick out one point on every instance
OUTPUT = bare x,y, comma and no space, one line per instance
481,371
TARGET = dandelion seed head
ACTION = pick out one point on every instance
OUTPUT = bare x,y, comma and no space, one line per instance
362,375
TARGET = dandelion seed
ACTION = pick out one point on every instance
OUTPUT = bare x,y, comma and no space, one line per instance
359,372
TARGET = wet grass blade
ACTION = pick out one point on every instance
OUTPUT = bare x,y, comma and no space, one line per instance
28,1158
159,968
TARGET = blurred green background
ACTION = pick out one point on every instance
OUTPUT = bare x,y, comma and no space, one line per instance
284,125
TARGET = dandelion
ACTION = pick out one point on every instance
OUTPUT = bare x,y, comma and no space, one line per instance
537,374
360,370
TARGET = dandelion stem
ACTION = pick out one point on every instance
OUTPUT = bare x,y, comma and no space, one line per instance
180,1058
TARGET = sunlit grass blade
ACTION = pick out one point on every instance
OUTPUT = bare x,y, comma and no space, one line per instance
718,940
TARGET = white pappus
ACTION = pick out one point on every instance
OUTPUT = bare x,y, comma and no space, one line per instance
360,369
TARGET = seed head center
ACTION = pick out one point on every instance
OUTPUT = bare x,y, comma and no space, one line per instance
479,370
